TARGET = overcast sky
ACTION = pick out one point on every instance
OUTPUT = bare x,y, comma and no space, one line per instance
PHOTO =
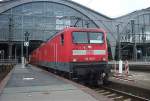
115,8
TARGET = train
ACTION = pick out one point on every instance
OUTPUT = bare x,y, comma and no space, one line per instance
82,53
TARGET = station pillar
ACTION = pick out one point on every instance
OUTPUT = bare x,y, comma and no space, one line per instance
10,45
120,66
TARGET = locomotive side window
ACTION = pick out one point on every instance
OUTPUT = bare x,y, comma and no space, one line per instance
96,37
62,39
80,37
88,37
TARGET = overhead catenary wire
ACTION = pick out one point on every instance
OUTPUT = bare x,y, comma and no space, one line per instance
102,21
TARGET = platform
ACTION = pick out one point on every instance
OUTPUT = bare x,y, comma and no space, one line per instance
134,78
134,65
33,84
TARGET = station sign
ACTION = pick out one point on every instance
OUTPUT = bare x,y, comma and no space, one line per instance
26,44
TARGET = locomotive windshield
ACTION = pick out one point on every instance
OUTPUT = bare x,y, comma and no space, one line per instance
87,37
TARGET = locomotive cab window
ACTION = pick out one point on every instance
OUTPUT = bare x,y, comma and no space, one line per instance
88,37
80,37
62,39
96,37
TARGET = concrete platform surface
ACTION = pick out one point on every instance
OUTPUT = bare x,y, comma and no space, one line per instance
134,78
32,84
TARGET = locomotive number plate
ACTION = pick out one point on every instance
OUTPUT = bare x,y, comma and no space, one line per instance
89,52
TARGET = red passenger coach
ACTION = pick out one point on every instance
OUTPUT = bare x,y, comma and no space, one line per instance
80,52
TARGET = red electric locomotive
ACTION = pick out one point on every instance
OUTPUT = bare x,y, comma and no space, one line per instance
80,52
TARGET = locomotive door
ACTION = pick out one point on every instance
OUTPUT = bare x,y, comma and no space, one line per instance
55,55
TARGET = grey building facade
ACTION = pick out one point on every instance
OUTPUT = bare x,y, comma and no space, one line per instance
43,18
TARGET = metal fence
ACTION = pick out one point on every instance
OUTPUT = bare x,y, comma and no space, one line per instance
8,61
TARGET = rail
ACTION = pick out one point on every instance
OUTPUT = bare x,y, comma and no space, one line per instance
126,94
118,94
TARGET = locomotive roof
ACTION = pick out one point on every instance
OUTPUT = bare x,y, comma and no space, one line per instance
81,29
75,29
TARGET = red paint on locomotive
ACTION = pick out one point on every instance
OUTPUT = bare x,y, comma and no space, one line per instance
58,50
73,47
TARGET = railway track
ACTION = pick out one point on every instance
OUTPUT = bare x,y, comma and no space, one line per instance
118,95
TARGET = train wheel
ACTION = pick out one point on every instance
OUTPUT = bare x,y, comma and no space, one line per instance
99,79
102,79
70,76
106,79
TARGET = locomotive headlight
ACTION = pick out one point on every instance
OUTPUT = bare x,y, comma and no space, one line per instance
89,46
74,60
104,59
103,75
